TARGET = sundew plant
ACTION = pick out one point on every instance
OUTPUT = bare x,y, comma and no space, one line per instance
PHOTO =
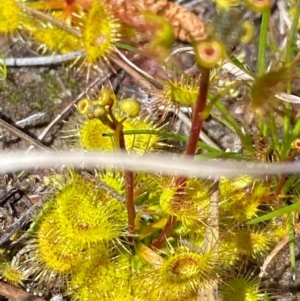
127,234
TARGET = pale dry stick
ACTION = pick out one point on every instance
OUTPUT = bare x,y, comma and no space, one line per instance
188,123
42,60
22,135
274,252
132,65
284,18
13,293
236,71
169,165
134,72
211,240
32,120
187,49
212,230
290,98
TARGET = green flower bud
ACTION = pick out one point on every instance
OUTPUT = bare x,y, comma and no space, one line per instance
99,111
105,97
209,52
83,106
130,107
258,6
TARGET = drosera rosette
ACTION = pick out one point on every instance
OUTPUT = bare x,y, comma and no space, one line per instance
140,143
53,38
243,286
11,16
12,274
93,135
87,214
90,25
56,251
103,277
113,179
241,198
178,275
248,243
190,206
101,30
180,92
101,118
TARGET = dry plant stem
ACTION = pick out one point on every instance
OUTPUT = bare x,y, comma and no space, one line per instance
129,195
139,70
30,213
211,240
271,256
212,230
16,294
196,127
134,72
22,135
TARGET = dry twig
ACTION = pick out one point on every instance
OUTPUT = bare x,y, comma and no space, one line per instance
16,293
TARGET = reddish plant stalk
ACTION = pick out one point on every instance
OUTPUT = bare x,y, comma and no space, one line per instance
128,179
196,127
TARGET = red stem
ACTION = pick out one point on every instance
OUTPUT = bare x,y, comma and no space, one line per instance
130,199
199,108
196,127
128,179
